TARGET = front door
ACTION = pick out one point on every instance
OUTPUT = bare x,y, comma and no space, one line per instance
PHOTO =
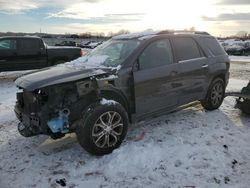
8,54
156,79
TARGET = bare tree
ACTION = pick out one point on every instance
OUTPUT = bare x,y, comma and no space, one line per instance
242,34
190,29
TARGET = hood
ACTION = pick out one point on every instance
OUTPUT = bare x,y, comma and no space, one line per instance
56,75
80,68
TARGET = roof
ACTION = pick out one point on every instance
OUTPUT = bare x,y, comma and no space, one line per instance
146,35
134,35
22,37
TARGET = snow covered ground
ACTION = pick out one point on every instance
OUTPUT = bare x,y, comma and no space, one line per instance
244,59
188,148
240,67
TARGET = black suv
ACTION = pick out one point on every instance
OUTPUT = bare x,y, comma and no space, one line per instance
124,80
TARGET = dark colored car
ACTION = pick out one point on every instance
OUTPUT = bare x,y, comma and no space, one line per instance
25,53
67,43
90,44
124,80
247,48
235,49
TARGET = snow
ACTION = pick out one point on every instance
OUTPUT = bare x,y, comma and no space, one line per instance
134,35
191,147
107,102
14,74
147,37
110,77
87,61
232,42
245,59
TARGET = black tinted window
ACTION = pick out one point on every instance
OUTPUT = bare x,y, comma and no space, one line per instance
157,54
8,44
29,44
186,48
214,46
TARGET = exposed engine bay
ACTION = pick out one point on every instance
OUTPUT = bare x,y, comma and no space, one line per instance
54,110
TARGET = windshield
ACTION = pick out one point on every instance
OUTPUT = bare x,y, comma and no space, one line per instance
110,54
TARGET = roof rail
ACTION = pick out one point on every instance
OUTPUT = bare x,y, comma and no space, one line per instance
183,32
201,33
166,32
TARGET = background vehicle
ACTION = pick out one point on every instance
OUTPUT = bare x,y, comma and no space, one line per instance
247,47
236,48
67,43
90,44
24,53
127,79
243,100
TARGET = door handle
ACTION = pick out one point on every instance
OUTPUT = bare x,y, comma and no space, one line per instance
204,66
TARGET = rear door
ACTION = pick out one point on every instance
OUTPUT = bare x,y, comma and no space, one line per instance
8,54
156,78
193,66
31,53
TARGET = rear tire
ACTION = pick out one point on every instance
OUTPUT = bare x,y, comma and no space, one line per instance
103,128
215,95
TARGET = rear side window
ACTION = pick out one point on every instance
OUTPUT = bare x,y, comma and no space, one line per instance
8,44
29,45
214,46
157,54
186,48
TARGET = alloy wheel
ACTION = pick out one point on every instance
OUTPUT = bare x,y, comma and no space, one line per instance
107,129
217,94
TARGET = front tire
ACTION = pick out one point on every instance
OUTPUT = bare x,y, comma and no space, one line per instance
215,95
103,128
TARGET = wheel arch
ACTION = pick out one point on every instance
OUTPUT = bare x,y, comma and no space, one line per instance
219,74
119,97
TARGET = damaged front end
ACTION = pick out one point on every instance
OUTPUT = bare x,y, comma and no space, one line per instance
54,110
243,100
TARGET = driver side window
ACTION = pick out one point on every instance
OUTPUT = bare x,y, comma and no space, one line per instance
8,44
158,53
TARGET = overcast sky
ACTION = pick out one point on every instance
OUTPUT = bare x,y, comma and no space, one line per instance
219,17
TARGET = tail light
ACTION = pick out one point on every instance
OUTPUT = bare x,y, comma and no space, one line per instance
82,53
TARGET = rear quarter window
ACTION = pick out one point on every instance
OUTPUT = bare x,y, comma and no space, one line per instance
213,45
186,48
30,44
